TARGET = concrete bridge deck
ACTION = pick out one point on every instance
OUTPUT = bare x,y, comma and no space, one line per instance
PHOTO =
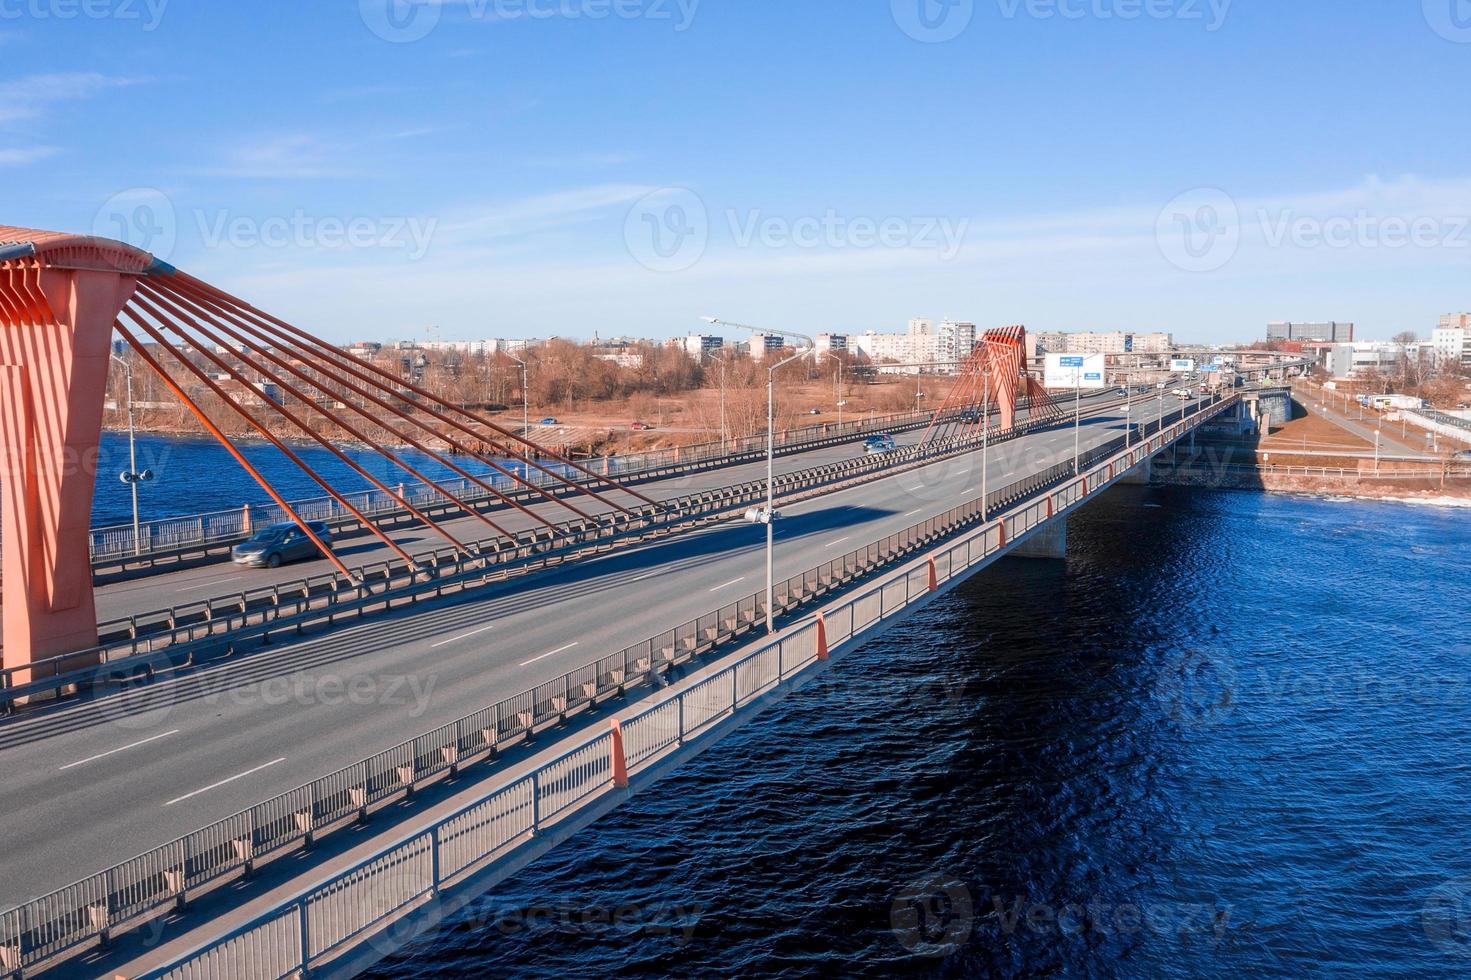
193,748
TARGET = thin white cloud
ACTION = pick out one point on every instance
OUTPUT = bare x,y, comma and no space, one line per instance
29,97
297,156
579,160
19,156
538,212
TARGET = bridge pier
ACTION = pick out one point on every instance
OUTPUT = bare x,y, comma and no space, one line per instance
1139,475
1048,541
59,298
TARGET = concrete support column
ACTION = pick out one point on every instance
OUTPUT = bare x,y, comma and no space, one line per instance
1050,541
1139,475
53,377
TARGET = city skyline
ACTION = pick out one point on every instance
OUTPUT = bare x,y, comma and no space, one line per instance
491,172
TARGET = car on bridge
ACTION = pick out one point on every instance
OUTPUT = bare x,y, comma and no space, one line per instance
274,546
550,421
881,443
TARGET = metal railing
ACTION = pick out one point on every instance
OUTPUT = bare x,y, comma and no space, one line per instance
134,643
98,906
170,534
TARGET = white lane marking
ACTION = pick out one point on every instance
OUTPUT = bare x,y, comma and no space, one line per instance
120,748
834,544
222,782
462,636
645,575
205,585
528,663
913,512
728,584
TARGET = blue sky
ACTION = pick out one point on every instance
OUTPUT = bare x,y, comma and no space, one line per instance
537,167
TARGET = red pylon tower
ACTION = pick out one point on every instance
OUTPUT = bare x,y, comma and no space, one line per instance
64,297
993,379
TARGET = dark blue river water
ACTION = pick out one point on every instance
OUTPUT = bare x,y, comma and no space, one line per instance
1231,736
198,475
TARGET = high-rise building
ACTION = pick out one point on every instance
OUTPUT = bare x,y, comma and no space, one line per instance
1117,342
956,340
901,348
1451,346
1329,330
763,345
827,343
1346,360
701,346
1050,341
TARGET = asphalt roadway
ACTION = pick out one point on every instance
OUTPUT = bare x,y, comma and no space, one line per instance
179,587
93,783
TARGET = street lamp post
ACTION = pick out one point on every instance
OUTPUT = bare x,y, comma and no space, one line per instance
525,405
769,516
1077,420
132,476
724,439
985,436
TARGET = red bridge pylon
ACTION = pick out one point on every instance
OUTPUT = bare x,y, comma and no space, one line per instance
62,299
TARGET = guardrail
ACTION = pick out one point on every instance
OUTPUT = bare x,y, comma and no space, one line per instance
136,644
323,919
168,535
1338,472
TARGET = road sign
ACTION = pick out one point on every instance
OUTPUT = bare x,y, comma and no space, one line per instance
1072,371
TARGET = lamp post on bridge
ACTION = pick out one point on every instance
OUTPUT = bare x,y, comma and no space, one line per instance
769,516
132,476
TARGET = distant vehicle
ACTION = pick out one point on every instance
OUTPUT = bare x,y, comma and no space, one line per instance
1162,385
1184,393
1464,456
883,443
815,411
641,427
278,544
970,415
550,421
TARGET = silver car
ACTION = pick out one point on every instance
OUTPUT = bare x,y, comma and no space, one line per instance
274,546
